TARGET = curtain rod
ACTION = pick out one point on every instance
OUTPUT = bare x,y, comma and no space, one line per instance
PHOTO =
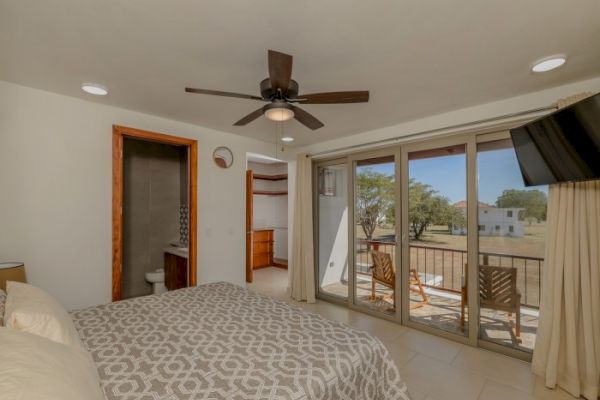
429,131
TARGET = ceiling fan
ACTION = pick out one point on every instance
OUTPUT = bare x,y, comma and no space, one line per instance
280,91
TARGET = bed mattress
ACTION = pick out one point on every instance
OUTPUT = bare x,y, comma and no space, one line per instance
221,341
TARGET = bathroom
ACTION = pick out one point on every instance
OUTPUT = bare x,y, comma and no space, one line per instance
155,217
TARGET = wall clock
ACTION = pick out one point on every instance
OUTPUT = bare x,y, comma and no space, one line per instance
223,157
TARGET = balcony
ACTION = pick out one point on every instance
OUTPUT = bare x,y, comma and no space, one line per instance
442,272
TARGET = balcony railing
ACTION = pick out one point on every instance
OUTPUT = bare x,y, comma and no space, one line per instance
443,269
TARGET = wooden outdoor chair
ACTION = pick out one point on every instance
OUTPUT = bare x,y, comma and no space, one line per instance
384,273
497,291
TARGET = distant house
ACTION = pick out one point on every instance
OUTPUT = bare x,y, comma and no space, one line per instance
493,221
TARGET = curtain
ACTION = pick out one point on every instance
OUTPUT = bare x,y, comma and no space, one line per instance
567,349
302,274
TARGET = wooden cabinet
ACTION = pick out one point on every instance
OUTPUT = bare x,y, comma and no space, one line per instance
262,248
175,272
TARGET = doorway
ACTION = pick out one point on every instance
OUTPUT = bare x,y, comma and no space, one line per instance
266,216
154,212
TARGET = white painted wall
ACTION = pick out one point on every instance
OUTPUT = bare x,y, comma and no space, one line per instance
55,192
271,212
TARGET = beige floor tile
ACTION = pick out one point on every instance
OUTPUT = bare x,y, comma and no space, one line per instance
385,331
498,391
400,353
500,368
436,347
541,392
437,379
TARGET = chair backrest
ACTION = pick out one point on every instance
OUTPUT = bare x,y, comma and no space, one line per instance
498,287
383,268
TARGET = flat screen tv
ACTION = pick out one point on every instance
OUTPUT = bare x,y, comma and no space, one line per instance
561,147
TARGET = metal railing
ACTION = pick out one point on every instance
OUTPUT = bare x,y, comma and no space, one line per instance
444,269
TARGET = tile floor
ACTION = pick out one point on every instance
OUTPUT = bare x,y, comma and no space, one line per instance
433,368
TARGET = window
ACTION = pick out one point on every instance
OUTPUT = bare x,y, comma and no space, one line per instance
481,228
509,214
497,227
511,229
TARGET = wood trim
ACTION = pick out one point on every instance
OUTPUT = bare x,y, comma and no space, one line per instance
280,177
270,192
119,132
249,216
117,223
280,263
193,217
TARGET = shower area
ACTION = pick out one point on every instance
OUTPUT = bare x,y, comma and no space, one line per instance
155,217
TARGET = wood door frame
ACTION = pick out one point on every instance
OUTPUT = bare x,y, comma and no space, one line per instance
249,222
118,134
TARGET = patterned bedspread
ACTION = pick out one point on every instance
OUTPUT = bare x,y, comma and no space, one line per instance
220,341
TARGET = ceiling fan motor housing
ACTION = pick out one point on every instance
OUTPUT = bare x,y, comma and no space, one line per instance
268,92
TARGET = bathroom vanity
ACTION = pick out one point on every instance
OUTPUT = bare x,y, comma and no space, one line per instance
176,267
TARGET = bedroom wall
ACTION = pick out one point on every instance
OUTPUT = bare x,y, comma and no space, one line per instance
55,192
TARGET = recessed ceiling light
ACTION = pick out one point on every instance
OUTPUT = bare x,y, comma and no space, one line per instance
548,64
95,89
287,139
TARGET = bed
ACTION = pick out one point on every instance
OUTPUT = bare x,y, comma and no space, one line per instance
221,341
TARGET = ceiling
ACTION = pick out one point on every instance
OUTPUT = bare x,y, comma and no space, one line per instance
417,58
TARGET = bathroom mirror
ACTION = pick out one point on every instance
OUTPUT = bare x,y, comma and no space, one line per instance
223,157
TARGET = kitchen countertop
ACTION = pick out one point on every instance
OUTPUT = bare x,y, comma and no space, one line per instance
177,251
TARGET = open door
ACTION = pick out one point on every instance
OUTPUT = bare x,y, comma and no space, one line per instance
249,212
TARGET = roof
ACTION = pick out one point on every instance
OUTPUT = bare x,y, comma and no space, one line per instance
463,204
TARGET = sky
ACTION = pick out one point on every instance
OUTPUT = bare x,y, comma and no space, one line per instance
498,170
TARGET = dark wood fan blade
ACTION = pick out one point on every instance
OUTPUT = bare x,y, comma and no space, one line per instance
249,118
334,97
306,119
226,94
280,70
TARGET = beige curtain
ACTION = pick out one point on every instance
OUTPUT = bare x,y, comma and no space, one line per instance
302,274
567,349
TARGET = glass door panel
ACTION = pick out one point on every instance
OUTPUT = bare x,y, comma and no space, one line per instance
333,230
511,221
375,234
437,231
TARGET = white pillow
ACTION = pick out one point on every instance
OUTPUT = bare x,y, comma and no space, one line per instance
30,309
34,368
2,301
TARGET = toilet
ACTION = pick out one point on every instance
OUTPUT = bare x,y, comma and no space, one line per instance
157,279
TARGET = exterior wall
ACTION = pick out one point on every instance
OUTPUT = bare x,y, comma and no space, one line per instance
333,231
496,222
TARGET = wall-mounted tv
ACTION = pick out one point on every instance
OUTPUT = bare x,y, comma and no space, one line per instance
561,147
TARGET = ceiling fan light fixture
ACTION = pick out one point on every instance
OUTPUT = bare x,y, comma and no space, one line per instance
279,112
287,139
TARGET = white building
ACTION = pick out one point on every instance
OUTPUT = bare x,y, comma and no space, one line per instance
493,221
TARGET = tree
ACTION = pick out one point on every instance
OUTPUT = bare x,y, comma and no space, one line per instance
374,199
426,207
534,203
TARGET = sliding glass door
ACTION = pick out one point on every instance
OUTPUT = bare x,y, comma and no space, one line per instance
437,236
512,226
374,228
440,235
